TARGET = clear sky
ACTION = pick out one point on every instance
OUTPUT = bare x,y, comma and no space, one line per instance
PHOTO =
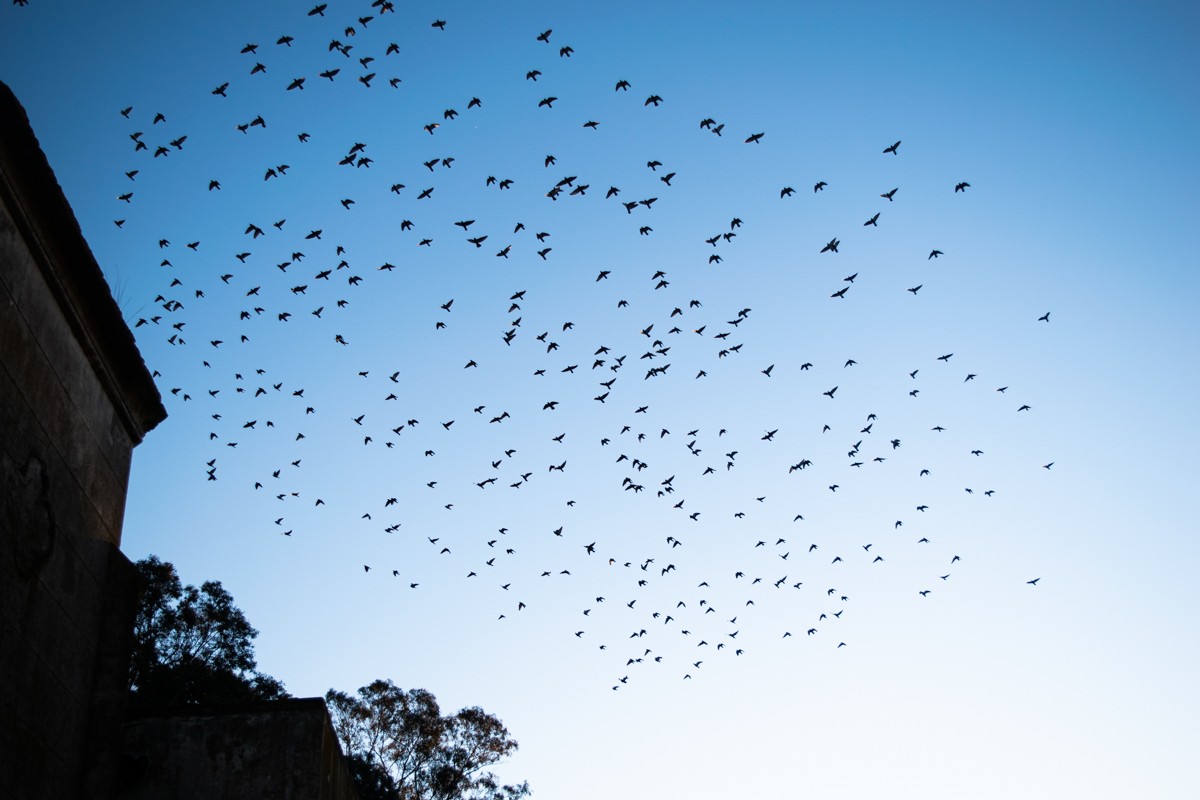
1072,128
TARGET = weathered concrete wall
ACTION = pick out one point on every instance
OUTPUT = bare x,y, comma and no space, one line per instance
75,398
280,749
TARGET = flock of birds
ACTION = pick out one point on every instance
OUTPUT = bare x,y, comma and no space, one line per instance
312,283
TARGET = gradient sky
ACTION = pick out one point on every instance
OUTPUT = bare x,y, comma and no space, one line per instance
1075,126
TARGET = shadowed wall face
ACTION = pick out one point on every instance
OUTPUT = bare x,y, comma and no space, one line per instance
279,749
75,398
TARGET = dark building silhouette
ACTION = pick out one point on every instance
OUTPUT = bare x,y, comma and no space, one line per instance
283,749
75,399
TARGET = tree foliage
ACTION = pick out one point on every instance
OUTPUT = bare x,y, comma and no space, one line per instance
192,645
402,748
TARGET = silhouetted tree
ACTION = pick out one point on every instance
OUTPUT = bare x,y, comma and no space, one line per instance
192,645
402,748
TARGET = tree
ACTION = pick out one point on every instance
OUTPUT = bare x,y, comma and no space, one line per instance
401,748
192,645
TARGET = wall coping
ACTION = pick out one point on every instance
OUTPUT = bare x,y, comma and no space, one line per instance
44,219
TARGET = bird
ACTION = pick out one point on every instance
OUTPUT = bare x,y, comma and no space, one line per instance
892,148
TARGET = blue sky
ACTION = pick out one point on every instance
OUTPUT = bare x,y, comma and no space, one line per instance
1075,128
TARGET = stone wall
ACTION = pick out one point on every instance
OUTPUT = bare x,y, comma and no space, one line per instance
282,749
75,399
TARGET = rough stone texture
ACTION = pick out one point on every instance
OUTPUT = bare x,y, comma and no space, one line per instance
75,398
278,749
